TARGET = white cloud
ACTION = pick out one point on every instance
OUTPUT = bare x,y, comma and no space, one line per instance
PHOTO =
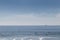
29,20
58,15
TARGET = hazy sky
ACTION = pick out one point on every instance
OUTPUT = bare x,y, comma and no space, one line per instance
29,12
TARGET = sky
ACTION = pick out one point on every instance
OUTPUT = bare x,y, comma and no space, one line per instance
29,12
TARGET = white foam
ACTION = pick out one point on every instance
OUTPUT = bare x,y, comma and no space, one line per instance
49,38
41,38
30,38
14,39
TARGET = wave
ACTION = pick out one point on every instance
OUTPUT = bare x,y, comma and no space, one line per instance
10,34
30,38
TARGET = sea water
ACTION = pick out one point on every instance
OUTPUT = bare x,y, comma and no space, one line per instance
29,33
29,38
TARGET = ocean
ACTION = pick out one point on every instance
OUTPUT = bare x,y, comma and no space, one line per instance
30,32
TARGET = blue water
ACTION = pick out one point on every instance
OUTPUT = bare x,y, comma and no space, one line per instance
29,32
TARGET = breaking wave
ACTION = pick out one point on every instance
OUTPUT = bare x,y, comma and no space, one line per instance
29,38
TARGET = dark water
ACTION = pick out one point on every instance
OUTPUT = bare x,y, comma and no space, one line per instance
29,32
